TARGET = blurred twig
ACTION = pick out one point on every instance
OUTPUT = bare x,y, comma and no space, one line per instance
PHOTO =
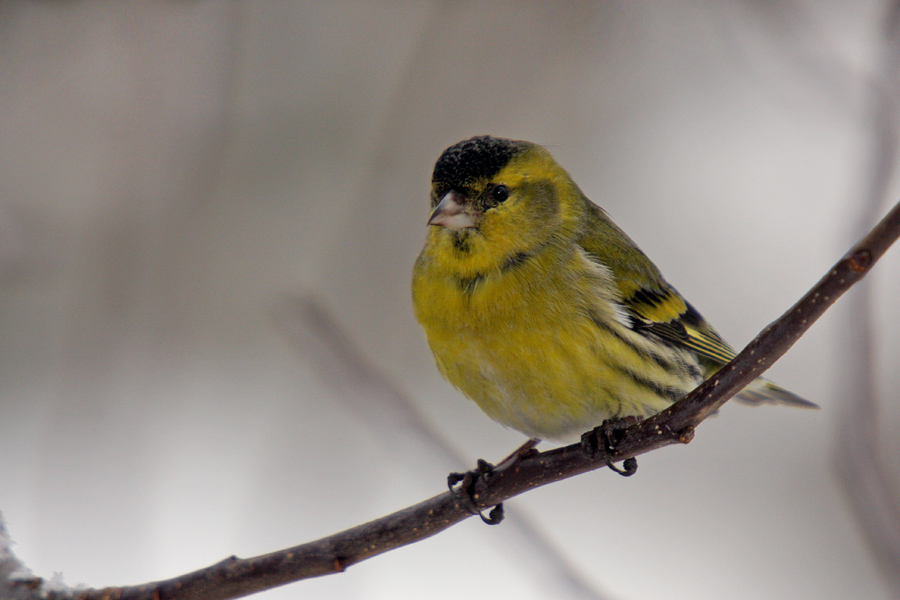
860,465
235,577
16,581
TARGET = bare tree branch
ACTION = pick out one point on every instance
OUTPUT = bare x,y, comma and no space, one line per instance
235,577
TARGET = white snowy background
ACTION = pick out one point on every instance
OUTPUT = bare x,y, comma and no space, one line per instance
174,174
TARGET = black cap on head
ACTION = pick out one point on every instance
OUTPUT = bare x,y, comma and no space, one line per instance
481,157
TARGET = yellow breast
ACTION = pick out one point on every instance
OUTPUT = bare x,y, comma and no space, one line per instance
541,346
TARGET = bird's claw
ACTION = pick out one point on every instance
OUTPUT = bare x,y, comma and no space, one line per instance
629,466
466,486
609,434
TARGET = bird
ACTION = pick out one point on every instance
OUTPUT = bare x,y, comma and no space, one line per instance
541,310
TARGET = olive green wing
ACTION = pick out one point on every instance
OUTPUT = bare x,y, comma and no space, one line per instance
664,313
656,309
653,306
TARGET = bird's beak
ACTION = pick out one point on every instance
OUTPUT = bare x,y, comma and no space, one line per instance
453,212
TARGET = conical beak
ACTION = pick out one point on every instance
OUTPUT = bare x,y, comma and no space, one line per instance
453,212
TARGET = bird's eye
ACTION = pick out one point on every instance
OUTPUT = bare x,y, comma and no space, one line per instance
500,193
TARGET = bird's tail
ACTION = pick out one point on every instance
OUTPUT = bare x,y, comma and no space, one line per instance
763,391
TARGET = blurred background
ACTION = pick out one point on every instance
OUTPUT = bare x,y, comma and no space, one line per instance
209,212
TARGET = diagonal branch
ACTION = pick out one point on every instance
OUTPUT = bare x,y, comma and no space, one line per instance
236,577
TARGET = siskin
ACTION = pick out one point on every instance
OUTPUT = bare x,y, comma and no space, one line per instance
545,313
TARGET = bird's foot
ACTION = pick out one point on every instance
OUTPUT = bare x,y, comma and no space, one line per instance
607,436
468,485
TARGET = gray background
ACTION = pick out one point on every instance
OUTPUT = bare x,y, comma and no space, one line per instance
172,174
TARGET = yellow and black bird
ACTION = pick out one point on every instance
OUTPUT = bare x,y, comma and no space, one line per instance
545,313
